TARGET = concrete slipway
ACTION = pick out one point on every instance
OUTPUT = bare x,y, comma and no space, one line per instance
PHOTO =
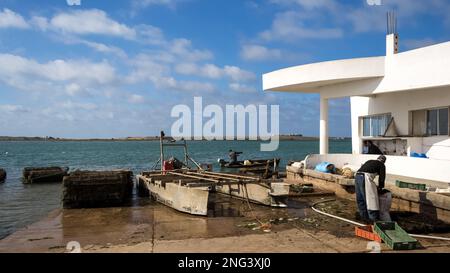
231,226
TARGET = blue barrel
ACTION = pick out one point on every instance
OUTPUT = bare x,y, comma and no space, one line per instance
325,167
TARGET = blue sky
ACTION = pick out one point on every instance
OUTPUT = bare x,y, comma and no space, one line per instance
116,68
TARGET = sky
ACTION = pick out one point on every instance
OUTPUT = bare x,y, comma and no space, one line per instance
117,68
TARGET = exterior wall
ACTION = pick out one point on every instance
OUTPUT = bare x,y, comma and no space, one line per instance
419,168
400,105
307,78
417,69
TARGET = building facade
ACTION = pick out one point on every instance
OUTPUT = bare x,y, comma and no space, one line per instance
399,101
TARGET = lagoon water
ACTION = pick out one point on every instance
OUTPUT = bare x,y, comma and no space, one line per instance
21,205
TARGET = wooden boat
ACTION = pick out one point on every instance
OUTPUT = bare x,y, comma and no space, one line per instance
188,191
256,163
169,190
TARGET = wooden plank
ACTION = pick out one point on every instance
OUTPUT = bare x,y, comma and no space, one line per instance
236,176
214,176
193,176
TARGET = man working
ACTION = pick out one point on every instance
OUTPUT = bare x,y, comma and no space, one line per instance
233,156
367,191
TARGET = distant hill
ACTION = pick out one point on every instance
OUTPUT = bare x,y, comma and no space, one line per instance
150,138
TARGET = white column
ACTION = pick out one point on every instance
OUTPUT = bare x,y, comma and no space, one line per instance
323,125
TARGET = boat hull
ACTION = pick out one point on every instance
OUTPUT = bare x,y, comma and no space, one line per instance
181,198
190,194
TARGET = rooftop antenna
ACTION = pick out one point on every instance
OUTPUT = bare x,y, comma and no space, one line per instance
392,34
391,22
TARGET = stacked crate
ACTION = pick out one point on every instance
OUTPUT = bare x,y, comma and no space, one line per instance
90,189
44,175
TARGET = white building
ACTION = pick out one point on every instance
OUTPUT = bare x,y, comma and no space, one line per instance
400,101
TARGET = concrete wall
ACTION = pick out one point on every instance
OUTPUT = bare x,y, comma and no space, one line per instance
426,169
399,105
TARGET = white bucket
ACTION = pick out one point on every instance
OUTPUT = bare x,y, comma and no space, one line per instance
385,206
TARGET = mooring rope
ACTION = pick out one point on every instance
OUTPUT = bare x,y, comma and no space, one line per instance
249,206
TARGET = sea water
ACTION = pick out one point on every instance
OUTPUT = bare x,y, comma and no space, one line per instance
21,205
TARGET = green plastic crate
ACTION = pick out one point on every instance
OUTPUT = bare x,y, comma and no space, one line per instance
413,186
394,236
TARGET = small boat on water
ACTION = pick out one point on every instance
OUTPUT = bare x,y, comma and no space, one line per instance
255,163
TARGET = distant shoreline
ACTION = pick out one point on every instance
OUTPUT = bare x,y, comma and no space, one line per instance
155,138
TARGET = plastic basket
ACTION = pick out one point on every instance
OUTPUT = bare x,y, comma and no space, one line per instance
366,232
394,236
413,186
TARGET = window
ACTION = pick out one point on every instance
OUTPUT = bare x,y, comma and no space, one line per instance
437,122
376,125
430,122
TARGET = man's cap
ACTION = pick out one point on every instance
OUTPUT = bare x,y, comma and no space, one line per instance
382,158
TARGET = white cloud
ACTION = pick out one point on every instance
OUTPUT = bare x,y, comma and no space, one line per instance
291,26
242,88
28,74
212,71
238,75
136,99
105,48
90,22
147,3
79,105
183,49
65,117
194,86
10,19
307,4
187,68
188,86
254,52
151,35
207,70
73,89
8,108
146,67
40,22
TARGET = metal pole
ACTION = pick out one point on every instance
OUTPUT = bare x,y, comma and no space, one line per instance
161,146
185,153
